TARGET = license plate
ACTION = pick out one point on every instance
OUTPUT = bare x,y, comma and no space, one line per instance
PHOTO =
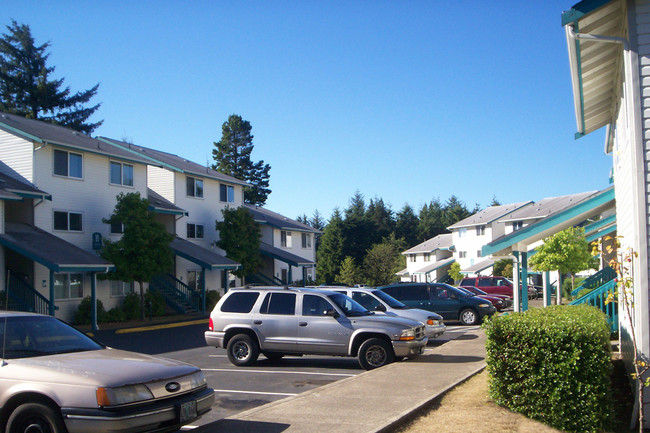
187,411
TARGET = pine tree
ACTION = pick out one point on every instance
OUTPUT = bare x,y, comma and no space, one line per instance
27,88
406,225
330,254
232,156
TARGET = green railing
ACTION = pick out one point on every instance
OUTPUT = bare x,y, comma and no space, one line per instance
259,278
23,297
178,295
598,298
601,277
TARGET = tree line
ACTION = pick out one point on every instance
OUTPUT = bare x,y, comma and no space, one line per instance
363,243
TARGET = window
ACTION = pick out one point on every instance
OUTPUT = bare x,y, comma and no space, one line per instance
485,282
194,231
67,164
67,221
285,239
121,288
279,303
240,302
440,292
517,225
427,257
480,230
462,232
478,253
227,193
68,286
315,306
194,187
121,174
462,254
117,228
306,240
366,300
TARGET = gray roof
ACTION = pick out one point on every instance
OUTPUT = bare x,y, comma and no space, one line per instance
478,267
546,207
50,250
491,214
13,186
175,162
440,242
47,133
265,216
435,265
201,256
160,204
283,256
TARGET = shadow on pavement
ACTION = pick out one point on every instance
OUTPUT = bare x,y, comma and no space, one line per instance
235,425
446,359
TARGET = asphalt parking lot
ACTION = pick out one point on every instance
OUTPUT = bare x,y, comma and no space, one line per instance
241,388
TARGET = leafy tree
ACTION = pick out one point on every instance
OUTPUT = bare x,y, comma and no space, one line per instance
382,263
28,89
454,272
566,251
502,268
330,253
239,237
232,156
143,251
350,273
406,225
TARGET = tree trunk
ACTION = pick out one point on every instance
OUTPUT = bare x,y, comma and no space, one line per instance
141,300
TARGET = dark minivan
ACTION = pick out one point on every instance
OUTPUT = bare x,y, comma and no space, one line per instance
448,301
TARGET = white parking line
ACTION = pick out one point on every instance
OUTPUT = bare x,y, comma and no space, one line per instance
231,370
235,391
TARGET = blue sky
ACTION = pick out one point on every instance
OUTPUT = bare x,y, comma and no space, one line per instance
407,101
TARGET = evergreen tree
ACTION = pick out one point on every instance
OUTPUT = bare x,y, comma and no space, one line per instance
28,89
330,253
455,210
318,223
494,201
432,221
239,237
143,251
232,156
350,273
381,216
406,226
358,230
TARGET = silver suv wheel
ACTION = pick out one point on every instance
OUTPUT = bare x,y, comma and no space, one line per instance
242,350
375,353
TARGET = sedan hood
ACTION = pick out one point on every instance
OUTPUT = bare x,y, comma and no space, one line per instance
106,367
387,321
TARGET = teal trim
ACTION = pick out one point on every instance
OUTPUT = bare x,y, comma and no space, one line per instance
580,83
203,264
581,9
22,133
83,268
285,260
549,222
524,281
603,222
600,234
168,211
598,298
160,163
32,195
579,135
94,152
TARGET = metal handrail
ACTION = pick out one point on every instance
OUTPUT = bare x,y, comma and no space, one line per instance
598,298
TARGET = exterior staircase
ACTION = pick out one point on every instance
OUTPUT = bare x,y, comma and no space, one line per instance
259,278
601,277
179,296
598,298
23,297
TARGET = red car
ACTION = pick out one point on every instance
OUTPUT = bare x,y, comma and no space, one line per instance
506,299
498,302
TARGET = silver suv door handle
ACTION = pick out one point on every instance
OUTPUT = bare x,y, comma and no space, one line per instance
257,322
302,324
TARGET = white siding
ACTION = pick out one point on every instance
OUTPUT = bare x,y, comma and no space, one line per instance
17,153
161,180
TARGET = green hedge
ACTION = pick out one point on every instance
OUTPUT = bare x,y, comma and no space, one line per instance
553,365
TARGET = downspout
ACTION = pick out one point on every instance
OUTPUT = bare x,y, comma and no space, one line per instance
516,293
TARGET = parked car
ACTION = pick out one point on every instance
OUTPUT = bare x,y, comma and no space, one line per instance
493,299
381,302
507,300
55,379
278,321
448,301
495,286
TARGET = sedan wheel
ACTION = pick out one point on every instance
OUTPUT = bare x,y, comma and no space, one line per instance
35,418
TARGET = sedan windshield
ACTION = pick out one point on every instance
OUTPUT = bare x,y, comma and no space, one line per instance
30,336
349,306
389,300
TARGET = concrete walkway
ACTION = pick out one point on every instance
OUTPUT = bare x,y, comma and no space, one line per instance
374,401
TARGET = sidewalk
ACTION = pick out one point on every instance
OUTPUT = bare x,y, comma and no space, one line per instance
374,401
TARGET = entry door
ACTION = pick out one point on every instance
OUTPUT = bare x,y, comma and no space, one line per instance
194,280
318,331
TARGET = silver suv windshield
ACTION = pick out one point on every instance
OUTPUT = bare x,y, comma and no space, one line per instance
349,306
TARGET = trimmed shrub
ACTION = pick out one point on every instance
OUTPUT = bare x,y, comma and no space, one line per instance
552,365
211,299
83,314
156,302
131,306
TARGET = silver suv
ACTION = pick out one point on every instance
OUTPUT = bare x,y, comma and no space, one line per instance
278,321
375,300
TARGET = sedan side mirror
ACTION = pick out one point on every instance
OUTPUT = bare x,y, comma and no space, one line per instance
381,308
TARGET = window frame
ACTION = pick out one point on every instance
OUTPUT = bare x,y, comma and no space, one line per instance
195,231
68,164
306,240
226,193
125,288
462,232
121,165
480,230
68,221
67,286
197,192
285,239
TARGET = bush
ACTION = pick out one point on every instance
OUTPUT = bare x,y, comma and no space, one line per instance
83,314
156,302
552,364
131,306
211,299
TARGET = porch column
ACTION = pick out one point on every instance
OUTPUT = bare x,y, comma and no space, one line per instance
93,301
546,276
516,291
290,276
226,283
524,280
202,290
51,292
304,275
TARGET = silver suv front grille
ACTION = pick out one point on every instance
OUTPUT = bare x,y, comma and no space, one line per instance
419,332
